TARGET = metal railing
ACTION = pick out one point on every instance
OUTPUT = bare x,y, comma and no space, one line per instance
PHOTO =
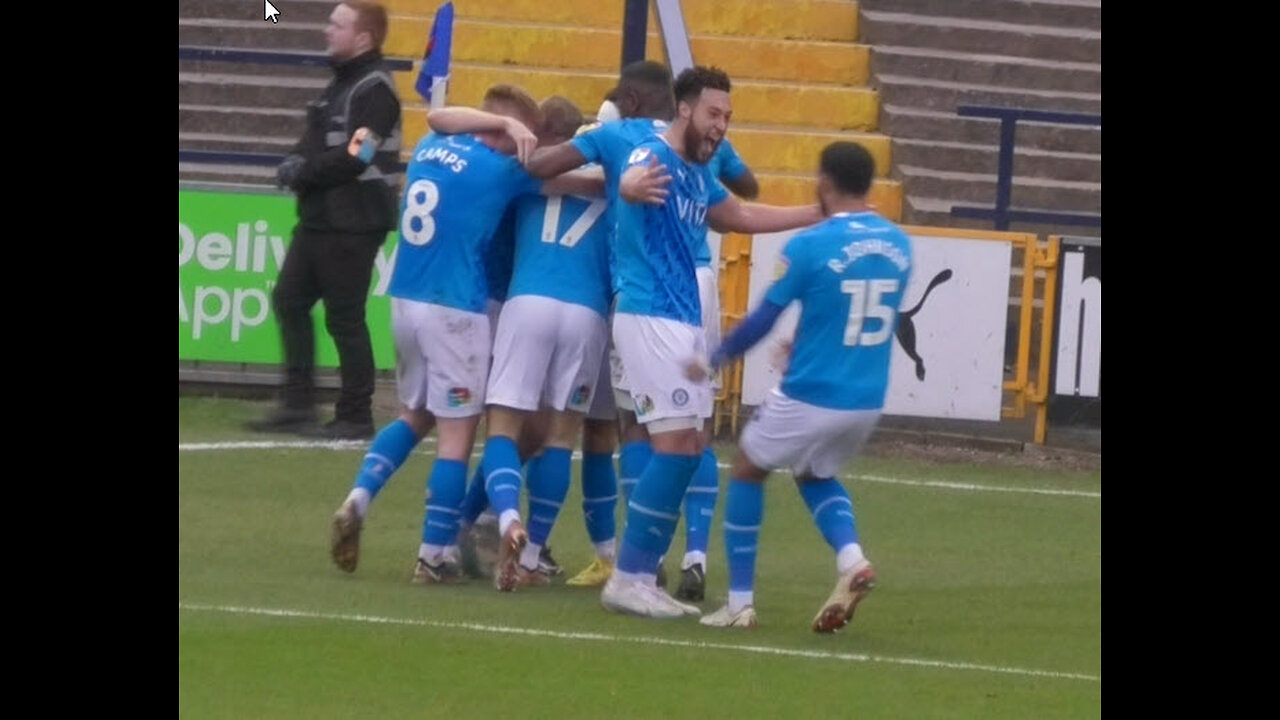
1002,214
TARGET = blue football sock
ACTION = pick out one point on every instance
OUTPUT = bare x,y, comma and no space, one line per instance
502,478
832,511
700,504
476,499
654,510
599,496
445,488
743,513
548,485
632,460
388,452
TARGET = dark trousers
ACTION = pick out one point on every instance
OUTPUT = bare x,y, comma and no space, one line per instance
336,269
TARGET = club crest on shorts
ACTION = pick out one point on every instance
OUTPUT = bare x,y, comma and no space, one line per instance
459,396
680,397
580,395
644,404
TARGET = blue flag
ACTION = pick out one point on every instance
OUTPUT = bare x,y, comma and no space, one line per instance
435,61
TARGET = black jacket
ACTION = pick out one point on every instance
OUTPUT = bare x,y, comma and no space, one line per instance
336,191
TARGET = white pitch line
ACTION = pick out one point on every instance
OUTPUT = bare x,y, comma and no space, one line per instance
275,445
638,640
974,488
347,445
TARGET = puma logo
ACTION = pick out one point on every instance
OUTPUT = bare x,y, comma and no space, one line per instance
906,331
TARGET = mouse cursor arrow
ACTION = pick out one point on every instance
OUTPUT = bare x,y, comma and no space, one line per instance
271,12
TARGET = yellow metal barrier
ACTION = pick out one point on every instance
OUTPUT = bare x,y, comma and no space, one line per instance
1032,261
1039,392
735,282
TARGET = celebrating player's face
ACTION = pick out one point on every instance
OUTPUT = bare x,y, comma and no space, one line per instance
708,121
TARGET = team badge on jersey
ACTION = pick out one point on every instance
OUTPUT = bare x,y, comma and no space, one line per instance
580,395
780,267
459,396
644,405
680,397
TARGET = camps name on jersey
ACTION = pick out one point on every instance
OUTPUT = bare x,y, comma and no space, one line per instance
445,157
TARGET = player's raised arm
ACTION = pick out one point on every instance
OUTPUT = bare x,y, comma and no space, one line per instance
732,215
456,120
585,183
551,161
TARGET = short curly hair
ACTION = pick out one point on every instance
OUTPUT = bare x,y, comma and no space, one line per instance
691,82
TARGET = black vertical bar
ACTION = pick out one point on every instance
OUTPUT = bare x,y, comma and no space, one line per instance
635,29
1004,176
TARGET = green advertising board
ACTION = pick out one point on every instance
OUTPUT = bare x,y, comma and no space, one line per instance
230,249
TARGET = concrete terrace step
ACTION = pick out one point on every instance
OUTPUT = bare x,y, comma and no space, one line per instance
834,20
239,68
810,105
292,12
947,96
246,174
979,69
791,19
258,91
251,34
1027,162
936,212
980,189
223,142
1082,14
771,148
914,123
597,49
241,120
559,47
800,189
981,36
829,106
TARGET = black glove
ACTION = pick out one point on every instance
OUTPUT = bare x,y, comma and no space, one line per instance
288,171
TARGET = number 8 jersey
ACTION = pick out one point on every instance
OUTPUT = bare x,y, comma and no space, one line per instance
456,189
849,273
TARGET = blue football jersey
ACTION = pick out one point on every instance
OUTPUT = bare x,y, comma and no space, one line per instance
849,274
657,244
562,250
725,165
456,189
500,259
611,145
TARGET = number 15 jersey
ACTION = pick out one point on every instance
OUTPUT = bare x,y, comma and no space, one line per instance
849,274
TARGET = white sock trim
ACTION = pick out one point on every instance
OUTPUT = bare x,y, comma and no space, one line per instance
361,497
529,556
848,558
694,557
506,518
607,550
431,554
